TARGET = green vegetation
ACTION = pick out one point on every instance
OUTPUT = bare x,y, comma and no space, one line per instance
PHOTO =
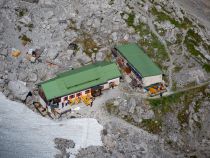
179,104
111,2
152,126
88,44
71,25
179,38
20,12
161,32
18,27
177,69
110,107
183,115
193,40
176,104
197,106
130,20
162,16
30,26
154,48
207,67
24,39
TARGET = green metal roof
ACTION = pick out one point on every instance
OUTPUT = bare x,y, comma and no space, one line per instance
80,79
137,58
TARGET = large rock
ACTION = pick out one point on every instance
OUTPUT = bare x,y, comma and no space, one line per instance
47,3
18,89
25,20
31,1
32,77
1,27
84,59
49,14
132,105
100,56
114,36
52,53
64,143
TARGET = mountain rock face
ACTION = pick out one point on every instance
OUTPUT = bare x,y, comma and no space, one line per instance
31,1
52,36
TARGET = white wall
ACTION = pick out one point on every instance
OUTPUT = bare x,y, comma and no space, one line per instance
116,81
42,102
152,80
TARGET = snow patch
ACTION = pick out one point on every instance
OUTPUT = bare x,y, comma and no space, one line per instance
24,133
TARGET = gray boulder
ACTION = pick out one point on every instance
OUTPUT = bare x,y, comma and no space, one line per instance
47,3
25,20
52,53
100,56
132,105
1,27
31,1
18,89
32,77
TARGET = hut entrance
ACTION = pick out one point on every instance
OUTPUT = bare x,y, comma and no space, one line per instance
96,91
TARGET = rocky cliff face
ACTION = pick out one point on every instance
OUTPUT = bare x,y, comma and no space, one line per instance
41,38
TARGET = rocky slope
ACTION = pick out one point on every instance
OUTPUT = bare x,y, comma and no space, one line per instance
68,34
200,9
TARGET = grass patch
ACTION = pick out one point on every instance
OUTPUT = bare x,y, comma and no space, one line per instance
20,12
18,27
197,106
194,36
162,16
179,38
88,44
24,39
207,67
71,25
152,126
30,26
111,108
183,116
178,102
111,2
192,40
177,69
174,87
130,20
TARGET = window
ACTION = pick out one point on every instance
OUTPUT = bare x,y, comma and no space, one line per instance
87,91
65,98
71,96
78,94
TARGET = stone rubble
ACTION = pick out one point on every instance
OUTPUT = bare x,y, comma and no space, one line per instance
60,28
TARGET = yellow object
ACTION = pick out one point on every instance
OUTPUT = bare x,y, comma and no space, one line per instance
72,101
86,100
15,53
77,100
152,90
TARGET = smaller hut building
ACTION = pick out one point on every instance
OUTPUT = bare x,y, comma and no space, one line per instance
136,64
